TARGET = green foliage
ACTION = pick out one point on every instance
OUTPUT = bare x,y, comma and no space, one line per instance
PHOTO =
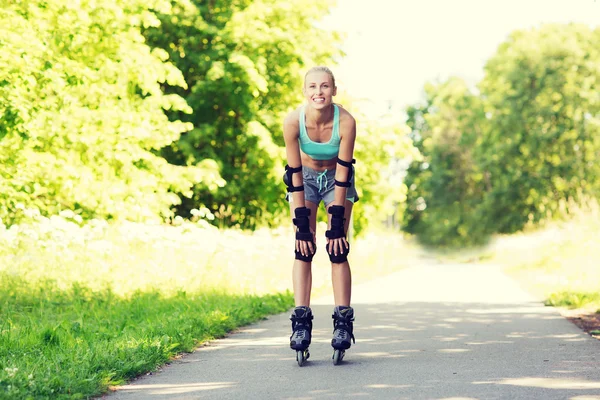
542,92
445,185
242,62
573,299
81,111
518,153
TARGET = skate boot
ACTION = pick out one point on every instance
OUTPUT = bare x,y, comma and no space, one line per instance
301,332
343,318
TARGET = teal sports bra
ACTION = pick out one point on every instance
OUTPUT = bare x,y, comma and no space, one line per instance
320,151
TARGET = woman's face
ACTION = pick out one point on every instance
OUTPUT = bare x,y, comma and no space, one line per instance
319,89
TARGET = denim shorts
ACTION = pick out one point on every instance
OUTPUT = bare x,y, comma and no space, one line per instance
321,186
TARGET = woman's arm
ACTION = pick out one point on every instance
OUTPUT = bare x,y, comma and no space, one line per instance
337,244
347,140
305,241
291,133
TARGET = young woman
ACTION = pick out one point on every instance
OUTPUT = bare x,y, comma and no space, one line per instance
319,139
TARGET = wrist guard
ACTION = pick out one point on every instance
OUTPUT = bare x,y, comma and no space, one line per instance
337,231
337,222
302,223
303,232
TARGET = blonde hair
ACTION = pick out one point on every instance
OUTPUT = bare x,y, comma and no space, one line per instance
320,68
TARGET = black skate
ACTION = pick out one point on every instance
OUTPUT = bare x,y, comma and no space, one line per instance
301,332
343,318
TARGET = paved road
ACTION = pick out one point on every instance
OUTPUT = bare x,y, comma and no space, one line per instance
436,331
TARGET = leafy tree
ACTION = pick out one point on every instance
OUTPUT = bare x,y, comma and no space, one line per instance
446,184
520,151
542,88
81,111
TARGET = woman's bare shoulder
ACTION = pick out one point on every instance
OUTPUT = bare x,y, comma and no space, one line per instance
291,125
292,118
345,117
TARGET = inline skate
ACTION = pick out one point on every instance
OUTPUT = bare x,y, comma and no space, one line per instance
343,318
301,332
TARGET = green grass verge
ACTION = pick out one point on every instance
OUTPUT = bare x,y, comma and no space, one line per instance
574,300
75,343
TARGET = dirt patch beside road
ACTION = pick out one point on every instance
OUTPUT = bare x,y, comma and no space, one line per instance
588,321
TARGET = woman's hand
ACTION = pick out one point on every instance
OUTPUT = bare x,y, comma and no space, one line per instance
337,246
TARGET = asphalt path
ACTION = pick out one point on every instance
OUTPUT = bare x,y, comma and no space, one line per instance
433,331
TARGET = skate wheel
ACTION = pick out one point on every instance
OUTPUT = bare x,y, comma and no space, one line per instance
301,356
338,355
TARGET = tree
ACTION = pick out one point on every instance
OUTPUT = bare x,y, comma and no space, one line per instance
81,119
542,89
446,185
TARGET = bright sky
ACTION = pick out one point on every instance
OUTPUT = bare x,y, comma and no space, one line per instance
394,47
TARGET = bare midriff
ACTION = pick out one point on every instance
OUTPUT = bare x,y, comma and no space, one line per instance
318,165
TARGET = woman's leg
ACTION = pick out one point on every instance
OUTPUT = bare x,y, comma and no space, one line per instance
341,277
302,270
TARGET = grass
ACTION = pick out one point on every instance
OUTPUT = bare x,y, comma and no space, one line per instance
75,343
84,307
573,299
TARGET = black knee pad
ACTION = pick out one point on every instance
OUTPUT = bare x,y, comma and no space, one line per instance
340,258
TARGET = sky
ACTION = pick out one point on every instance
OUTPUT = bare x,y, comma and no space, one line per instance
393,47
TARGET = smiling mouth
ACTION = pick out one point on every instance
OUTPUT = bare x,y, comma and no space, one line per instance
319,99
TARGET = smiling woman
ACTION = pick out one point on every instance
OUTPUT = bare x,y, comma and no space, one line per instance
319,139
